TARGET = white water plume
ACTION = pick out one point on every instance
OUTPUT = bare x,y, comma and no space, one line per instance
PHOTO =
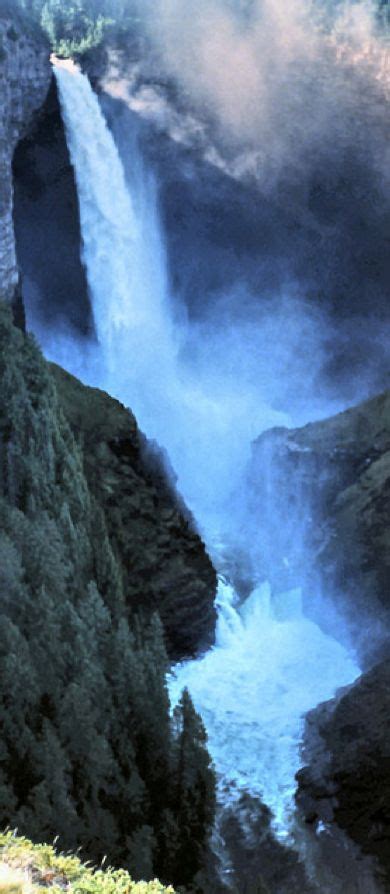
270,664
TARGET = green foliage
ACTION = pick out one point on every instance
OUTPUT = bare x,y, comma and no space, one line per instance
194,801
51,870
88,749
75,26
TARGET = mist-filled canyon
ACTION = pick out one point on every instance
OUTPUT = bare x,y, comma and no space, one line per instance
196,219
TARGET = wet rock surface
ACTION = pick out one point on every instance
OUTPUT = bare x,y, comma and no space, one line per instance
257,862
166,564
347,777
332,514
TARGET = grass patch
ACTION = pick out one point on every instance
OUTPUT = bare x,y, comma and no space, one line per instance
27,868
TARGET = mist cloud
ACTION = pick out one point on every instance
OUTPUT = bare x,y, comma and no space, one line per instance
281,80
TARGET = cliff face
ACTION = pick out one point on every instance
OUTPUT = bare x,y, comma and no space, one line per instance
330,483
321,498
47,224
24,81
165,563
347,777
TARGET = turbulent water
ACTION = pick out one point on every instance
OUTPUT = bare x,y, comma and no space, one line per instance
270,664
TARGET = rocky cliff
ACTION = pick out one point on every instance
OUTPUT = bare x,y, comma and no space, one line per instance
47,225
24,81
166,566
320,497
330,483
347,776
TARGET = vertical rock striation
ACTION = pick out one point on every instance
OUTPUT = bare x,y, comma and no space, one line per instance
25,75
320,499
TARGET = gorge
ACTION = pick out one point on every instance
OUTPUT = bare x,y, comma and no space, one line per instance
204,386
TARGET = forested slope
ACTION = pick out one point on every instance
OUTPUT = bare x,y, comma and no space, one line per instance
89,752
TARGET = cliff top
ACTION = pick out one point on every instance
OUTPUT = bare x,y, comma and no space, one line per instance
359,428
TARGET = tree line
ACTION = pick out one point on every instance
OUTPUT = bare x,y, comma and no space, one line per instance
74,26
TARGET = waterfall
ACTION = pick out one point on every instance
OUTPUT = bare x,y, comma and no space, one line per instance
125,265
270,664
142,354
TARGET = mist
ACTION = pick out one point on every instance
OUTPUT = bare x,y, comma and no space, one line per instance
283,83
232,196
291,103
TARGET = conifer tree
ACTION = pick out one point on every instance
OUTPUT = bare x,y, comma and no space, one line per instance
195,790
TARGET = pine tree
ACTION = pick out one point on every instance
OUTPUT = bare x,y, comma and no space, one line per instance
106,568
194,800
49,808
153,725
19,716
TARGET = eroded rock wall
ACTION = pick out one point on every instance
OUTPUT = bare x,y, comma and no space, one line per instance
25,75
347,774
321,496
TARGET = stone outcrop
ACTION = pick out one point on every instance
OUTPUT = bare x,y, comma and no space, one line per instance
322,494
165,561
347,777
24,81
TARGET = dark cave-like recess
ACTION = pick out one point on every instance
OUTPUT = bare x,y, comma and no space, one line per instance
47,224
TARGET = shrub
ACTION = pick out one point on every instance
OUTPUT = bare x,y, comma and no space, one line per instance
27,868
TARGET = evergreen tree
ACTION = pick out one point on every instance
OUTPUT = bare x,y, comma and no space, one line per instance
194,800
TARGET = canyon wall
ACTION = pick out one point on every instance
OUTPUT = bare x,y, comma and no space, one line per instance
25,75
329,483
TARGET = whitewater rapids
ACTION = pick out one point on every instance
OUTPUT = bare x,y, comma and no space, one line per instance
270,665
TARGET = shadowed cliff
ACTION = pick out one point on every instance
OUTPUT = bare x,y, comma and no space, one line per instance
165,563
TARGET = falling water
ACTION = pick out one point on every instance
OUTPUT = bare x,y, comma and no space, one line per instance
270,664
